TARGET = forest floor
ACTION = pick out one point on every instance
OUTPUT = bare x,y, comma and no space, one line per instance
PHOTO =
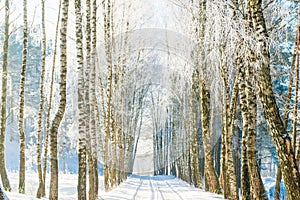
135,187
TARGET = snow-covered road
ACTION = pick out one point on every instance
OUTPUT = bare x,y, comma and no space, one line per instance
157,188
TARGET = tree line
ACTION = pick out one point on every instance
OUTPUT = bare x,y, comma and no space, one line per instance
229,82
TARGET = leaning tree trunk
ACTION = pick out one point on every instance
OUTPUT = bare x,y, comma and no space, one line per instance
50,102
81,187
21,105
53,195
41,191
3,172
256,184
281,138
245,180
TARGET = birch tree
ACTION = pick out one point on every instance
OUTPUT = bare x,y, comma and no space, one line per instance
81,187
46,138
107,124
210,174
199,75
22,102
53,195
94,146
3,172
41,191
88,102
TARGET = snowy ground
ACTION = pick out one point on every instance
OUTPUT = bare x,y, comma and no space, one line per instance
157,188
136,187
67,186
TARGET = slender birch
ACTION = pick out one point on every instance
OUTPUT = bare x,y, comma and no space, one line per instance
3,172
40,192
22,102
53,195
92,98
81,187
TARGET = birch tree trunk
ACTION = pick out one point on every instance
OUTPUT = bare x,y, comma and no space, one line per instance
50,103
210,174
88,104
21,105
41,192
114,82
53,195
194,145
81,187
211,180
228,165
225,112
3,172
231,174
94,147
108,117
245,168
257,186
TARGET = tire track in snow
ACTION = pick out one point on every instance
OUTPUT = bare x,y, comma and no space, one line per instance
138,188
154,182
176,192
165,191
